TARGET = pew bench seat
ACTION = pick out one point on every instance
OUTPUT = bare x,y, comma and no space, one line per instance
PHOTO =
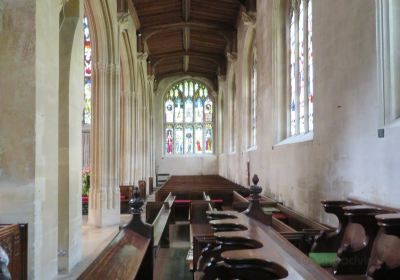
128,251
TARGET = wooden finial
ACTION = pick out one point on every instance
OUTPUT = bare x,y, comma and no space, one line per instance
255,190
136,202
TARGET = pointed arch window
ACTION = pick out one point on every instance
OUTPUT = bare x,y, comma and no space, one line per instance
301,78
188,119
87,110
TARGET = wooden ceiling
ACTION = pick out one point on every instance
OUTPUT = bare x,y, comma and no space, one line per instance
189,37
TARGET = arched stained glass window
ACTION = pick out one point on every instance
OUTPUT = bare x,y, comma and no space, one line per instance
87,110
301,67
188,119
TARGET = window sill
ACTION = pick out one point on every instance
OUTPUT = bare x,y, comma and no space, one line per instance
252,148
188,156
307,137
393,124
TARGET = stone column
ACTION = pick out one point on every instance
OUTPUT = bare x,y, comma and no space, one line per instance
125,133
140,117
104,195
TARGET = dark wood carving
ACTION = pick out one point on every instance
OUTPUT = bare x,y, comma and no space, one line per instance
142,188
254,211
356,246
14,240
151,185
329,240
384,263
255,253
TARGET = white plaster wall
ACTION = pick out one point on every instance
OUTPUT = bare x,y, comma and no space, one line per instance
176,165
346,157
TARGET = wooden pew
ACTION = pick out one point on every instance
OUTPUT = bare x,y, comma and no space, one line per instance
329,241
201,232
151,185
359,235
196,185
298,229
125,195
270,255
130,254
14,241
158,214
142,188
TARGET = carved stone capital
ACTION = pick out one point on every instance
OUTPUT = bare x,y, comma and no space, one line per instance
142,56
248,20
232,57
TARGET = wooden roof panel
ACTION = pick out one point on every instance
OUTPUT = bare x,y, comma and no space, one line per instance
188,36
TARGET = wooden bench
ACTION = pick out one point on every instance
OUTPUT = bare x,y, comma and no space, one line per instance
196,185
158,214
161,178
255,252
201,232
130,254
298,229
14,241
347,249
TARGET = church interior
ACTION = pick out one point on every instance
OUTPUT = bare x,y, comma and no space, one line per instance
199,139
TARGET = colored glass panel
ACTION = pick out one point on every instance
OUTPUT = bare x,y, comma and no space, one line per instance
178,139
208,110
198,139
189,139
301,69
253,100
292,75
87,57
169,140
178,110
189,110
198,110
310,71
169,111
208,139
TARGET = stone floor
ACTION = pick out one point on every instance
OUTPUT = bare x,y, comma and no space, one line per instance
170,262
94,240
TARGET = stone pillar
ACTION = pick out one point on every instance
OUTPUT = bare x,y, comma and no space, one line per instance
104,195
140,116
126,134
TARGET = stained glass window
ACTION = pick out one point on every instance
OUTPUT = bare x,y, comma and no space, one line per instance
301,67
87,111
233,106
189,119
253,100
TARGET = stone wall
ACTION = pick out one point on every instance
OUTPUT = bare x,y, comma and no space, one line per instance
345,158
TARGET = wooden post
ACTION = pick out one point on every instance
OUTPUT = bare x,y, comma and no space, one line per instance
142,188
151,185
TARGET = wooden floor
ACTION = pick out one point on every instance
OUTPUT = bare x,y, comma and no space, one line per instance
171,262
